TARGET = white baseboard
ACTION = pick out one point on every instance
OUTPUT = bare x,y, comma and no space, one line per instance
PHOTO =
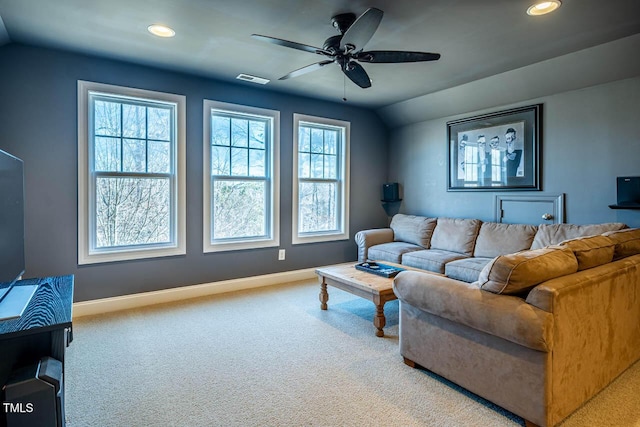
106,305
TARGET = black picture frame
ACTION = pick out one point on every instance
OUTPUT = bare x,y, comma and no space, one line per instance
496,151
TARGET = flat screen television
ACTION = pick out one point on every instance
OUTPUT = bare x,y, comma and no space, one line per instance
12,262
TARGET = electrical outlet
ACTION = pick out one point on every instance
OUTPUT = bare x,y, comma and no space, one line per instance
281,255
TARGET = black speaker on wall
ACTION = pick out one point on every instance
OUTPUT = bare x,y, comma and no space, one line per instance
390,192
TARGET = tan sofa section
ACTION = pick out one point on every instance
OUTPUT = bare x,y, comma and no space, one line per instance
540,333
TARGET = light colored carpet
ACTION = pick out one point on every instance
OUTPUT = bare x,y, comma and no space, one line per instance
271,357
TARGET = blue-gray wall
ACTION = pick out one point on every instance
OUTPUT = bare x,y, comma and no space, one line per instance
38,123
589,137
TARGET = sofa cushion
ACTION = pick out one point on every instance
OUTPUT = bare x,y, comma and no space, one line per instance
391,252
504,316
496,239
552,234
456,235
467,269
413,229
627,242
591,251
520,272
430,259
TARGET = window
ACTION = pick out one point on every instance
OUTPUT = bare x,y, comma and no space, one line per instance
131,184
321,179
241,201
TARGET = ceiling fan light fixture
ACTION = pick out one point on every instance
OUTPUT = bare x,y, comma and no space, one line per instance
161,30
543,7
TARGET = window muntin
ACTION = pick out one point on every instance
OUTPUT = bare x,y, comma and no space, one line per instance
131,174
240,177
321,175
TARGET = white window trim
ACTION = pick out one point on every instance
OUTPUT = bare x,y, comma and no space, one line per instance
86,255
274,168
343,232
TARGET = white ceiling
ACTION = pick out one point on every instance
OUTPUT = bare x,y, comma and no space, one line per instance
477,39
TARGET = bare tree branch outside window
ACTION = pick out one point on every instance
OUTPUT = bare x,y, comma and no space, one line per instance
239,176
318,178
132,164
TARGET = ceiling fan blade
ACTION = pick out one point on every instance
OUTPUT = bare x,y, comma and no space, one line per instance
293,45
357,74
306,69
361,31
393,56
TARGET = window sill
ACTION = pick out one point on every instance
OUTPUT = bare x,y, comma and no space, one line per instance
318,238
239,246
129,255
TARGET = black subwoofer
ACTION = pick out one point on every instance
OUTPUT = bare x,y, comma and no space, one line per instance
34,395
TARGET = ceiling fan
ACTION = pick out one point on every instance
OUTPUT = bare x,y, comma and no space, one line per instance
346,49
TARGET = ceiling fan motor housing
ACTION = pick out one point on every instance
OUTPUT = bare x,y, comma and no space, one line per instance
332,44
343,21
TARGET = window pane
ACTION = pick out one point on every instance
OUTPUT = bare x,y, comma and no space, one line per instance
257,134
304,165
257,162
220,161
239,162
239,136
134,121
159,123
317,207
107,154
220,130
331,167
317,140
132,211
241,191
239,209
330,141
107,118
159,160
134,156
304,139
317,168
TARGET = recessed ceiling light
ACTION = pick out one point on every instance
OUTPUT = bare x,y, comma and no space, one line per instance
161,30
543,7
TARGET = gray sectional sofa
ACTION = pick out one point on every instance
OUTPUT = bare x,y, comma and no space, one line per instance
461,248
543,319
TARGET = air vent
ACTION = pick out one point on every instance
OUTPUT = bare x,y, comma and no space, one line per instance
252,79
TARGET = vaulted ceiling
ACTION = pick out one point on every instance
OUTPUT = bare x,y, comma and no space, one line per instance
477,39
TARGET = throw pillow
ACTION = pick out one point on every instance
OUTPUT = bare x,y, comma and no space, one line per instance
522,271
627,242
591,251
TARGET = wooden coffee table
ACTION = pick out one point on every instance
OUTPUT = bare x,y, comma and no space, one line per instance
375,288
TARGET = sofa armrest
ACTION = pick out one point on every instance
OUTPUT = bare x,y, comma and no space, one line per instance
505,316
367,238
551,296
596,314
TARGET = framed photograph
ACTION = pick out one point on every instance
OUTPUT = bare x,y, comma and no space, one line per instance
494,152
